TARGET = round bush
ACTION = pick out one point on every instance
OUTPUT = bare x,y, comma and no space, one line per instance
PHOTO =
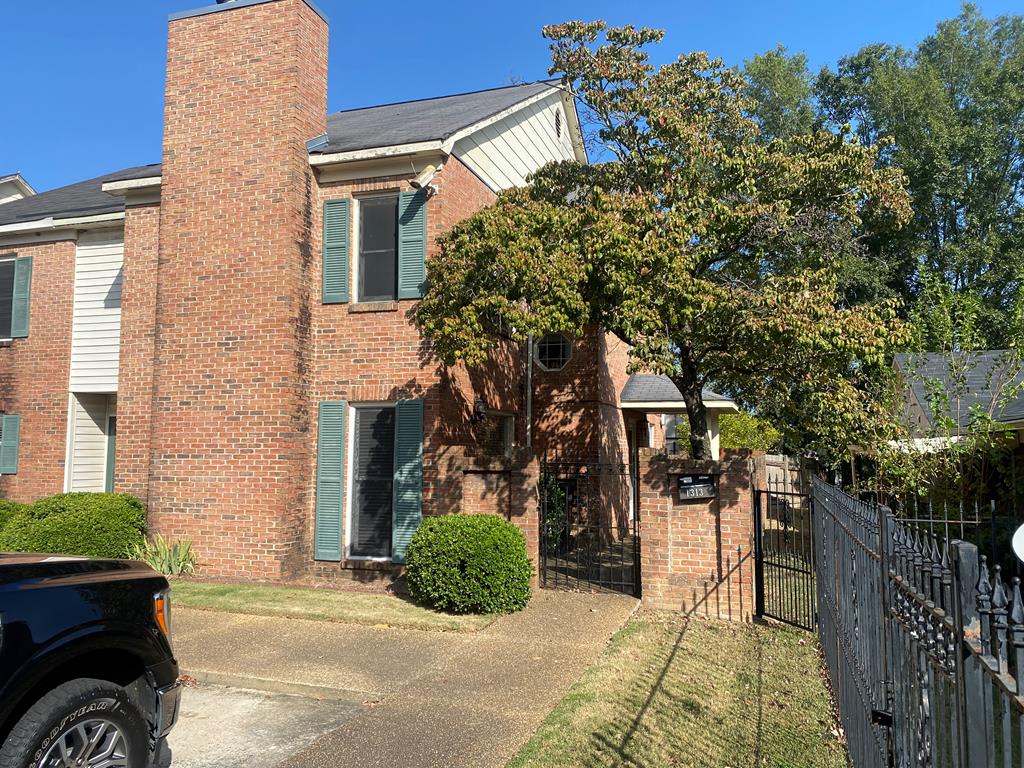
469,564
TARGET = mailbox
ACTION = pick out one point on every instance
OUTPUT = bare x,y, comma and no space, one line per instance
696,487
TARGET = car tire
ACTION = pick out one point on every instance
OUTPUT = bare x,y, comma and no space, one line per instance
71,716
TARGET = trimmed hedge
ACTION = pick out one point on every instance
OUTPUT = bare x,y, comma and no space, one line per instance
469,564
9,509
91,524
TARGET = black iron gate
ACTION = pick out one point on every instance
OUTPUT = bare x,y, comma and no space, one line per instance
589,534
784,554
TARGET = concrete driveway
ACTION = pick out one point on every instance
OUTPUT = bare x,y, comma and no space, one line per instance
383,696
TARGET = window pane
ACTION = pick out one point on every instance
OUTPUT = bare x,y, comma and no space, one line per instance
378,248
374,470
6,297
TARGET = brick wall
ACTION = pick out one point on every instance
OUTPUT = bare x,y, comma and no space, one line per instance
246,87
34,373
138,336
373,352
697,555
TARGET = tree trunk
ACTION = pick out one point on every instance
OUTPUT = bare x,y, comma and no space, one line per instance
696,414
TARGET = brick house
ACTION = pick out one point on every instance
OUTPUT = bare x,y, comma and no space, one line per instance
227,334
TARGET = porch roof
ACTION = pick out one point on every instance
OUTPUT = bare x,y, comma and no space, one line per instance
656,393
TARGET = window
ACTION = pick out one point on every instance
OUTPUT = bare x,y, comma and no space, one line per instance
553,352
496,433
373,476
6,297
558,125
378,248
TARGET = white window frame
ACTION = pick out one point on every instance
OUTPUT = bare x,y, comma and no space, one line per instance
350,479
536,352
354,243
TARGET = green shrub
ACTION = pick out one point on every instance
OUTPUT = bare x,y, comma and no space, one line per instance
469,564
121,505
171,558
91,524
9,509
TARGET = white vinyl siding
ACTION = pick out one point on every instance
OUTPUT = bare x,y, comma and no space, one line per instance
88,436
505,153
96,331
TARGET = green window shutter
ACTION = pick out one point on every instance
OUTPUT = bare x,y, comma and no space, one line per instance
408,502
22,291
10,437
337,222
412,244
330,480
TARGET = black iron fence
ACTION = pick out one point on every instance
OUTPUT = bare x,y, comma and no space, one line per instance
924,641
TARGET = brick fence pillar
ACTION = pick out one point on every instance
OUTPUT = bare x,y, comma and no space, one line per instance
697,555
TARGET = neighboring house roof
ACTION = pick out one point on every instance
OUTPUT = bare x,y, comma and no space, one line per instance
972,379
412,122
86,198
17,181
656,388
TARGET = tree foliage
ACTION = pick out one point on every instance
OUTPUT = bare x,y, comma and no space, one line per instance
745,430
714,254
954,109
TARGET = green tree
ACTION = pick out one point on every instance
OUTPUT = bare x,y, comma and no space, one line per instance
954,108
713,254
745,430
781,87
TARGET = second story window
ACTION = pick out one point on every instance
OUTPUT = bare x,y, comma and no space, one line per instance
378,248
6,297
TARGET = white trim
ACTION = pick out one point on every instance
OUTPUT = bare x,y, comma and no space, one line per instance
350,481
407,166
479,126
50,223
69,447
677,406
128,185
373,153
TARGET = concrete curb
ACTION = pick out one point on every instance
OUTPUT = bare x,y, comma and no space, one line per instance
205,677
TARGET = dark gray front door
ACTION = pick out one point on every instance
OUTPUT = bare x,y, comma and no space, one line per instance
373,481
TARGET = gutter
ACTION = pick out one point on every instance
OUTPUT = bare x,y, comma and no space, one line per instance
50,223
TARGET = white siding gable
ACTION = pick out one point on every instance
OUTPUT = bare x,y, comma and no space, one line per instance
96,329
504,153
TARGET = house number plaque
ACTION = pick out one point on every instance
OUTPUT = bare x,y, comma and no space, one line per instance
696,487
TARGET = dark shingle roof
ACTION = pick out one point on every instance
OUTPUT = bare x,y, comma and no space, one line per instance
86,198
972,379
652,388
409,122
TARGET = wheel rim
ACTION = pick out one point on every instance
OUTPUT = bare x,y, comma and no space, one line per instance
96,743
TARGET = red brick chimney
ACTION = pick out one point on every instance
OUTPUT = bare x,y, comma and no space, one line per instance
246,88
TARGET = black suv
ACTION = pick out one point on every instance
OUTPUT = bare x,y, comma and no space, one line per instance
87,675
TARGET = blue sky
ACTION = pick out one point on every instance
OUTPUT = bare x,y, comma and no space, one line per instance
85,95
